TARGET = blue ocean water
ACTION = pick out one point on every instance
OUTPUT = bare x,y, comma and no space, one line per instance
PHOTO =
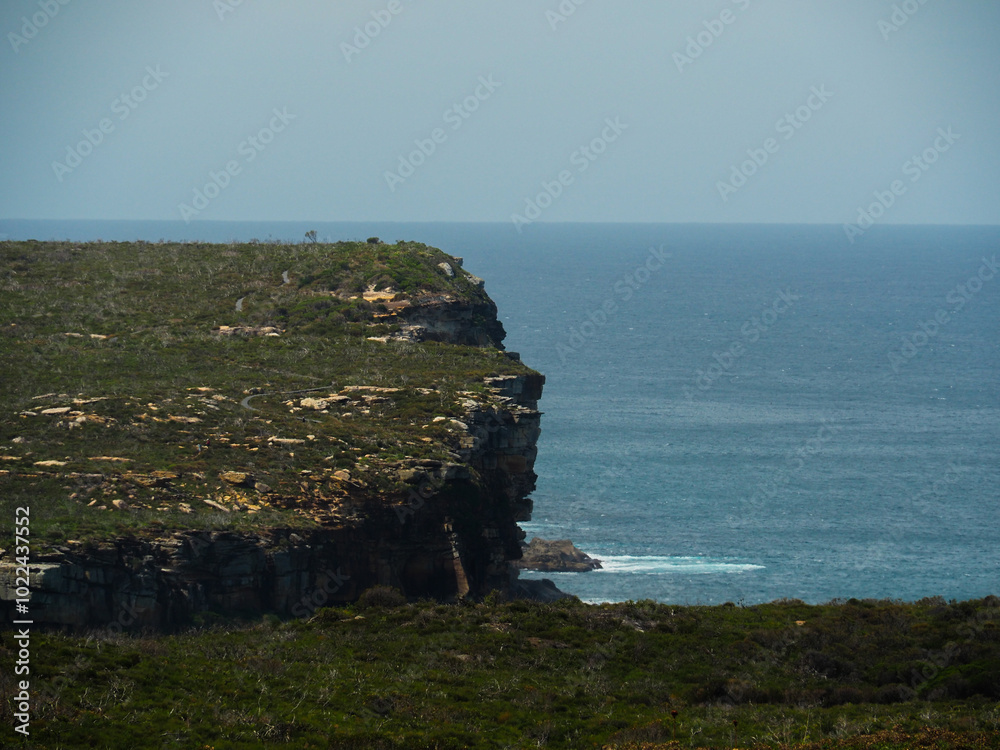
738,412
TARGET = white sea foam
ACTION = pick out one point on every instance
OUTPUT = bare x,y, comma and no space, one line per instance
657,564
652,565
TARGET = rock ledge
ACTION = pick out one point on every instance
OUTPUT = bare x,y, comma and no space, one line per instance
558,556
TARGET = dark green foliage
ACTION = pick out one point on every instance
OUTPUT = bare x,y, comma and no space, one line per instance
381,597
523,674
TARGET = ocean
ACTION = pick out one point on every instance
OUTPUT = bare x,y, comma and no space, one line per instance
737,412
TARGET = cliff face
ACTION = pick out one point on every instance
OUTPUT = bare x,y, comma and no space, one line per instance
445,318
465,320
500,448
451,534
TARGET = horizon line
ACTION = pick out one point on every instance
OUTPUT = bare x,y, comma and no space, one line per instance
503,222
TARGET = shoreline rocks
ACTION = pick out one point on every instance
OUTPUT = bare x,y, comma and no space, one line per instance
540,590
556,556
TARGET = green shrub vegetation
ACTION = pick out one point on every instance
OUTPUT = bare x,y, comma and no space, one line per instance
384,674
124,369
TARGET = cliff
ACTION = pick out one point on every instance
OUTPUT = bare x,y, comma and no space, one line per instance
469,321
281,499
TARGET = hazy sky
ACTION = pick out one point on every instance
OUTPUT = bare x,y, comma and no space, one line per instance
440,110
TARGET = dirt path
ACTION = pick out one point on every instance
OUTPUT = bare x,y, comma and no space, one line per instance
245,403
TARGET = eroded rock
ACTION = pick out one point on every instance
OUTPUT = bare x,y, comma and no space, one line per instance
558,556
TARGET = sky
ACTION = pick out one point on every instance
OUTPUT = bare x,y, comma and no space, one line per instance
773,111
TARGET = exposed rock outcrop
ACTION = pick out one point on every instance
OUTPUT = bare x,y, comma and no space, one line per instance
556,556
539,590
452,535
443,317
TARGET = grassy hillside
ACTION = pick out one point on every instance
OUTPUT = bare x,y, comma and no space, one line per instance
124,369
382,674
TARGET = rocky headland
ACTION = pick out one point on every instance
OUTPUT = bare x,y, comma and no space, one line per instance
161,497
